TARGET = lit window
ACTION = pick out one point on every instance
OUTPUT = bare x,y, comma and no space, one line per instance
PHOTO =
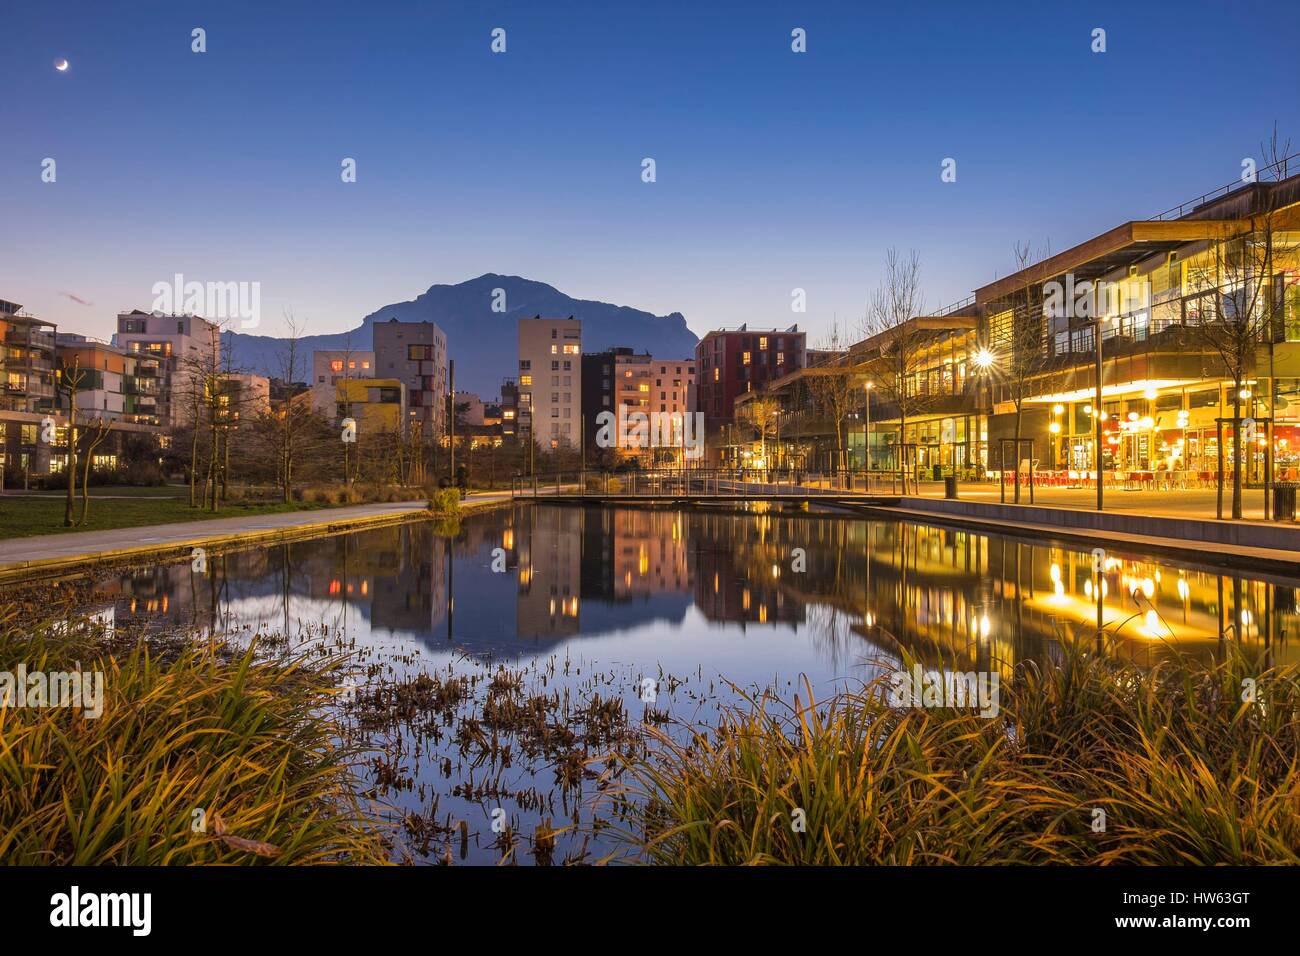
336,365
762,341
525,380
744,358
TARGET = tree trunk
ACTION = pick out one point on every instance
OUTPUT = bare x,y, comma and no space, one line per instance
68,510
194,456
85,484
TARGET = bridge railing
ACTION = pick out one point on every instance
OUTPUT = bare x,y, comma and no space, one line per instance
697,482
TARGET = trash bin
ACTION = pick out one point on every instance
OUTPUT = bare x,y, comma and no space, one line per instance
1284,502
937,472
950,486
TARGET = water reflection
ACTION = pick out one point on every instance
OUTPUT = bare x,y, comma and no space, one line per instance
826,592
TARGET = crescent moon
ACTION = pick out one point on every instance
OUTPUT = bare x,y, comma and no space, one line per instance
61,65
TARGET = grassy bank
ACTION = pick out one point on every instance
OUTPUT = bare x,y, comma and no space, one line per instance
202,754
27,515
1183,770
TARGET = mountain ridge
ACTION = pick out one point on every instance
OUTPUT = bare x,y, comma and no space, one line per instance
475,329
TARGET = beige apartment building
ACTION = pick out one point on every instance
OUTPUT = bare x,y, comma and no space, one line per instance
331,368
416,354
550,381
171,349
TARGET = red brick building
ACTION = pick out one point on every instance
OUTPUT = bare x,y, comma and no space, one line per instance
731,362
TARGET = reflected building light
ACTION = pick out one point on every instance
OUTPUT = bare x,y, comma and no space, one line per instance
1183,589
1151,624
1056,573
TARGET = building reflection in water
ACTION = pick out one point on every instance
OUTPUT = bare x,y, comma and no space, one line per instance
526,579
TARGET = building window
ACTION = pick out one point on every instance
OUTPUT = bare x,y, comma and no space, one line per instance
745,358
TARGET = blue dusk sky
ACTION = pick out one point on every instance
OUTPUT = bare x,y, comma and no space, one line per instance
775,170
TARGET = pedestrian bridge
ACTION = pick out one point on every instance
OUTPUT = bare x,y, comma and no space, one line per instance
707,486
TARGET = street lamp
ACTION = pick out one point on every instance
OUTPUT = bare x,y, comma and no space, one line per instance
866,433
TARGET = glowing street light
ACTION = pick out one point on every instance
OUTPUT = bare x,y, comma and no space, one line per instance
984,359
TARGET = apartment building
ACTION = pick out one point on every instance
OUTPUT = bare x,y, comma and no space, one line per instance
172,350
109,384
622,381
377,405
550,381
733,362
27,370
329,367
416,354
250,394
509,409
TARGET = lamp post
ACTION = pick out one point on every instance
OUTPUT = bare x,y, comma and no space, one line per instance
984,359
866,432
1096,416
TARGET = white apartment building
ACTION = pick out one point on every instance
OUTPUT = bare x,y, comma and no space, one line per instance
330,368
550,381
171,349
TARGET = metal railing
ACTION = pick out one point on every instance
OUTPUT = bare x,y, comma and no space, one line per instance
1279,170
741,484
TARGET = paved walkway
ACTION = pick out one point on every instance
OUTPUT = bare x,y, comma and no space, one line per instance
1181,503
54,550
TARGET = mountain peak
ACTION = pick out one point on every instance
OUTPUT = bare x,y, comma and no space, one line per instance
480,322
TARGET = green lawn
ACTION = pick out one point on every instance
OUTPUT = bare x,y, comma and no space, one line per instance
116,491
23,516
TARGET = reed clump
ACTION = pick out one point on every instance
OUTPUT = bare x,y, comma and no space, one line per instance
203,753
1090,762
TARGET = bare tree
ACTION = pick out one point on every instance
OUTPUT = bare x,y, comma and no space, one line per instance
830,384
762,415
292,416
900,351
95,438
1025,341
69,381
